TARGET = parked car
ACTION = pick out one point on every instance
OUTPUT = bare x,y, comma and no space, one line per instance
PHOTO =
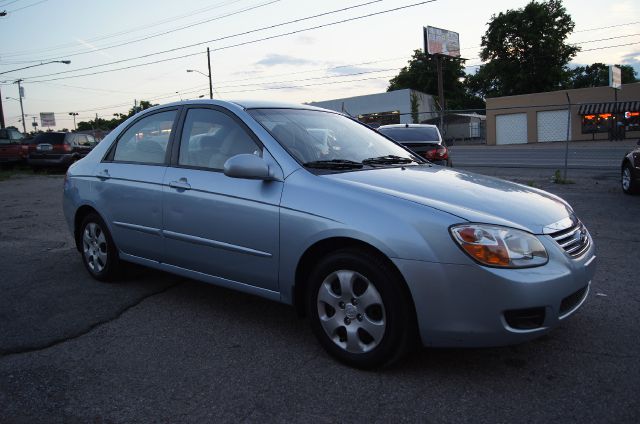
10,146
378,247
631,171
424,139
58,149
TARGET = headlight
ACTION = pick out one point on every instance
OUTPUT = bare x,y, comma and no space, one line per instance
499,246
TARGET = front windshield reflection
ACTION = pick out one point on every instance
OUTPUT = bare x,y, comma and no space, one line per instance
312,136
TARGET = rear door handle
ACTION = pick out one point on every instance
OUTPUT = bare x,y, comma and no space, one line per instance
181,184
104,174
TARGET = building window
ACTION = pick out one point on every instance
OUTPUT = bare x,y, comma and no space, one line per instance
632,121
596,123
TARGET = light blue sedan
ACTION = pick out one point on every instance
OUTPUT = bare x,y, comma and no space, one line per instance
375,245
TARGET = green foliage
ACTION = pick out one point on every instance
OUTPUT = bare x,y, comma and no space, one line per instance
415,116
597,75
104,124
421,74
525,50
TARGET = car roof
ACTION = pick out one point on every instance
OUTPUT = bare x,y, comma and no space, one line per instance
407,126
245,104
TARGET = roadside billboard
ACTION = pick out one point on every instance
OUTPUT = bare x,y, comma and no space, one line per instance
441,41
47,119
615,76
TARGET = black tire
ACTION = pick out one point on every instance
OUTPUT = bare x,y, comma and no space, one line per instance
630,186
97,249
395,314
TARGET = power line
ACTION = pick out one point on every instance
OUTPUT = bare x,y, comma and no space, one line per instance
126,43
25,7
234,35
607,27
116,34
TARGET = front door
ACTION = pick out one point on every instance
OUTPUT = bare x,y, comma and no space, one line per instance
213,224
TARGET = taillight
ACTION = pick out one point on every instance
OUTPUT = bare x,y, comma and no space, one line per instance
66,147
439,153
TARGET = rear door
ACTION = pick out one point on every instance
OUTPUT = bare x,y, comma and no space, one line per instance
213,224
129,184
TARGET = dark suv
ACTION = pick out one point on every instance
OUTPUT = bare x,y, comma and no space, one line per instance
11,146
58,149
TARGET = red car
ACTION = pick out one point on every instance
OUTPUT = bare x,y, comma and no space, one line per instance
11,150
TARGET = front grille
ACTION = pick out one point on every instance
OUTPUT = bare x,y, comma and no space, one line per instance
570,302
525,319
574,240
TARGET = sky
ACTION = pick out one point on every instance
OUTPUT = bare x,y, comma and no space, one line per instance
302,61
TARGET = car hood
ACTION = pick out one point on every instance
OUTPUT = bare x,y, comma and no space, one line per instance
470,196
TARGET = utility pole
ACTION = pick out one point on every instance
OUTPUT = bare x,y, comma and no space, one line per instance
1,112
210,82
24,125
439,59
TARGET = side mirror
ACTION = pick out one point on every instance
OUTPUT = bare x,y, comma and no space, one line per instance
248,166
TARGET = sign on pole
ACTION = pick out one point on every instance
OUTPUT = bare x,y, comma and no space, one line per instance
48,119
615,76
441,41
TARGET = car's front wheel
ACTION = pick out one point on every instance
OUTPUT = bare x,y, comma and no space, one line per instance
629,185
359,310
99,253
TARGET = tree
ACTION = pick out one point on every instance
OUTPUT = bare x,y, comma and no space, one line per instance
597,75
421,74
104,124
526,51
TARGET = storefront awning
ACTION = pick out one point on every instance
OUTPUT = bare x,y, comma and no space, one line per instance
608,107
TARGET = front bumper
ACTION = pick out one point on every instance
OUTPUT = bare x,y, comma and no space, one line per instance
474,306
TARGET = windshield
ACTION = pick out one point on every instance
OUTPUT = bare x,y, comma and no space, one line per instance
311,136
404,134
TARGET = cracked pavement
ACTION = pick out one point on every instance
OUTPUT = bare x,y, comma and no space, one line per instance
155,347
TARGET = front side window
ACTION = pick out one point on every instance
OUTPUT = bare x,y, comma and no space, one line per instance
211,137
147,140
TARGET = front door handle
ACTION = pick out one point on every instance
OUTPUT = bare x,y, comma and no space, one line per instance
181,184
104,174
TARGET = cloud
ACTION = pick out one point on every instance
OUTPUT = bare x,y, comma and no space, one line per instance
348,70
280,59
305,39
94,48
632,59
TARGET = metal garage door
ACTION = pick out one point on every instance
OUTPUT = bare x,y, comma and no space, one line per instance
511,128
552,125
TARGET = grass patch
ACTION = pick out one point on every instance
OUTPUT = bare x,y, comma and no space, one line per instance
532,184
7,173
557,178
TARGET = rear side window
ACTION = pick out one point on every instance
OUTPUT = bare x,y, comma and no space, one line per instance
146,141
49,138
411,134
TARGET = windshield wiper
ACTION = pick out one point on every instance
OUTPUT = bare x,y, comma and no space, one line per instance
333,164
387,160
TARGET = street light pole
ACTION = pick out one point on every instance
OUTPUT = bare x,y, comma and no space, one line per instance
74,114
24,126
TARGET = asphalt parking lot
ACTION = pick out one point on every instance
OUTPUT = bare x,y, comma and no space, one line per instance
158,348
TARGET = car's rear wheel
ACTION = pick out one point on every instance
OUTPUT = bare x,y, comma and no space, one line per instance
629,185
99,253
359,310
